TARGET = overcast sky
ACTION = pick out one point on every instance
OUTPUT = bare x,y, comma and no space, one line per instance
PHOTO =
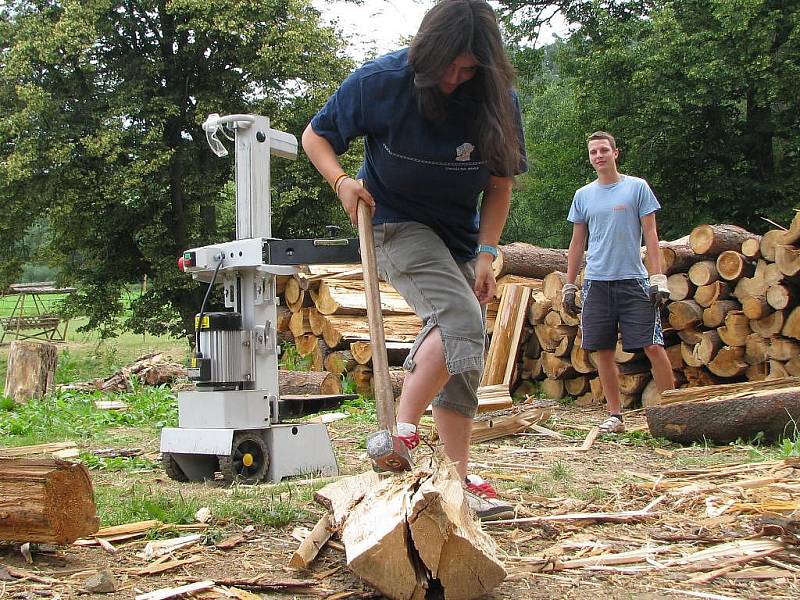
380,24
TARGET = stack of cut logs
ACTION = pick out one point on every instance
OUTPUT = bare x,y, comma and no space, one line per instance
733,315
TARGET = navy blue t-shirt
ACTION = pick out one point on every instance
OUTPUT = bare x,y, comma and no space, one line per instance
416,169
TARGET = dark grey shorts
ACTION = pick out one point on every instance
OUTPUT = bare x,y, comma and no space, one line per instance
415,260
624,306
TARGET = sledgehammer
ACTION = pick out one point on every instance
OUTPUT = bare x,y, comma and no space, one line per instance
385,449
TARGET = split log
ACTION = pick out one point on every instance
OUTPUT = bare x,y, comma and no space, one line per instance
527,260
596,387
540,307
699,377
339,332
726,419
581,359
756,307
792,235
396,352
292,292
712,391
299,323
531,348
633,384
706,295
732,266
362,377
531,368
45,501
339,297
677,256
769,326
308,383
688,355
757,372
776,370
317,321
788,260
772,275
729,362
690,336
318,355
674,356
736,329
550,338
511,315
404,531
703,272
768,242
685,314
31,370
714,315
708,347
552,284
680,287
312,544
502,282
553,318
751,247
305,344
792,366
713,240
780,296
792,326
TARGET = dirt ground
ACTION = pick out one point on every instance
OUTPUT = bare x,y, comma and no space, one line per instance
618,473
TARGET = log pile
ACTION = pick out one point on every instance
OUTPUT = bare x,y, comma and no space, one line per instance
733,316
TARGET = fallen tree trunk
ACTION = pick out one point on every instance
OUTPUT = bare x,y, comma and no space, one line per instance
726,419
45,501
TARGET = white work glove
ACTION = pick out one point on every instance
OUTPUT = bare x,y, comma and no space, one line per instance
659,290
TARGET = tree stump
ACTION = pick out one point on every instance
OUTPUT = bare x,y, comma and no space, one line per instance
45,501
31,370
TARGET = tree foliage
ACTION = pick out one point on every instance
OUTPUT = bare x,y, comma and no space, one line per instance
101,106
700,94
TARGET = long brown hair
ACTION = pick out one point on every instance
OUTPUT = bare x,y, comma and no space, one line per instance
453,28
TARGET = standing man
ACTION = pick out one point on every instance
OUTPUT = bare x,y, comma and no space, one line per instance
614,212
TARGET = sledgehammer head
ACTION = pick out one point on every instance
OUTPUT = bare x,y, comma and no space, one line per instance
388,452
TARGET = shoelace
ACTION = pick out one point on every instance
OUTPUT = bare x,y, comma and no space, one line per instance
411,441
484,490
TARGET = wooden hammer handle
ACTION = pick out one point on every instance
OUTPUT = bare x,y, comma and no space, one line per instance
384,398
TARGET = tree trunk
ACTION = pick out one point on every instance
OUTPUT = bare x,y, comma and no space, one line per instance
726,419
308,383
713,240
31,370
577,386
527,260
45,501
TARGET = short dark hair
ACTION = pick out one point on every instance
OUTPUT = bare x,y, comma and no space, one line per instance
602,135
448,30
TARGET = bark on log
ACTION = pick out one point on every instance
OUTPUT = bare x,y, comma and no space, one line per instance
339,332
552,388
581,359
783,349
577,386
527,260
713,240
551,337
727,419
677,256
339,362
756,349
732,266
308,383
699,377
539,308
31,370
45,501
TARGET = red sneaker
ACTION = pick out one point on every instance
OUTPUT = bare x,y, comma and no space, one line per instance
482,499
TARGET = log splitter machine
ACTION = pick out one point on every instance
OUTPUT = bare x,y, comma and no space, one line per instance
232,422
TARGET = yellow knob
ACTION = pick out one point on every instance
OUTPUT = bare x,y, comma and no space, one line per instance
247,460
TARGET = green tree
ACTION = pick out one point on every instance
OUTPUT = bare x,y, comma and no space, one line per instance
100,133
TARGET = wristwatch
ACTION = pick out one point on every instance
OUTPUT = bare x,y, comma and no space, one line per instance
488,249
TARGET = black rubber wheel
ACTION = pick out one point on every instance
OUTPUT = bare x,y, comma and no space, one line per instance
248,461
172,468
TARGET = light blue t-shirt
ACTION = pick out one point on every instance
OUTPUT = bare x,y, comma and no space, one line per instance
612,213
